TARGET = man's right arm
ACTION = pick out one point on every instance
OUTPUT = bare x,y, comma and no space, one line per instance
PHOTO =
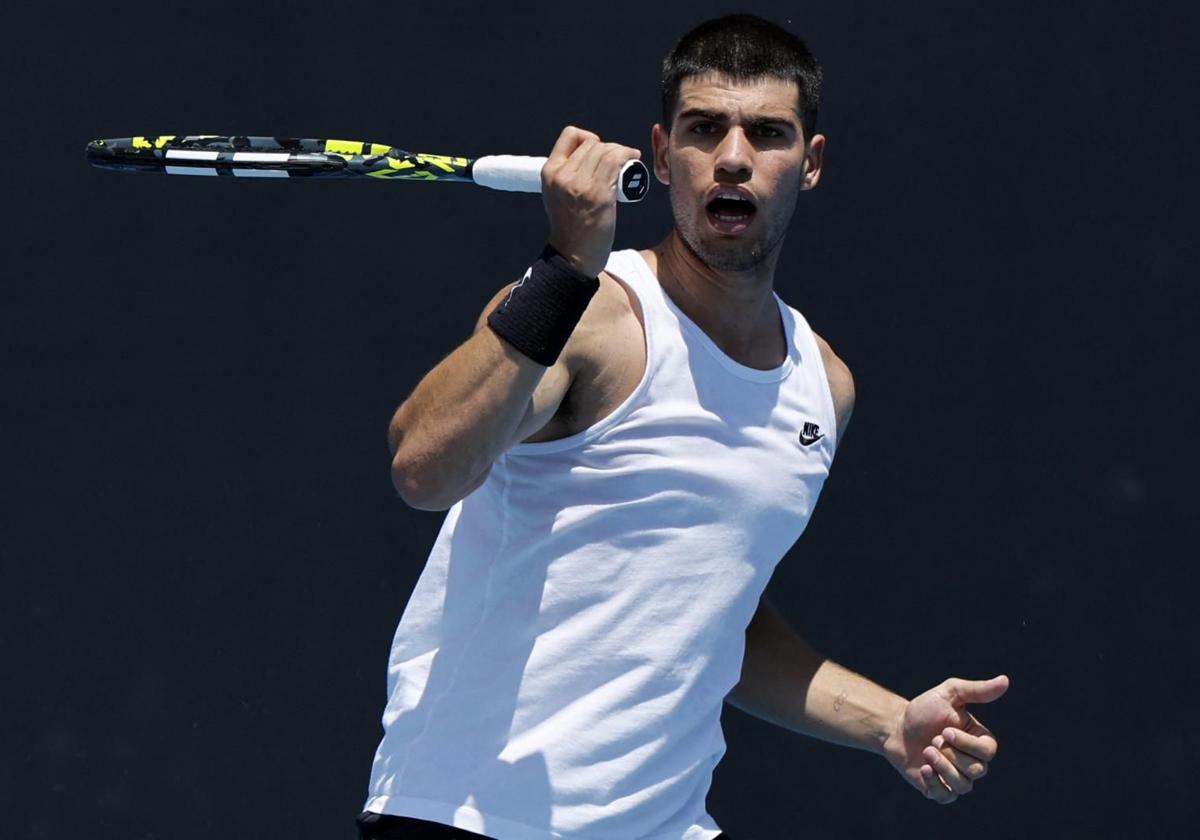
475,404
487,395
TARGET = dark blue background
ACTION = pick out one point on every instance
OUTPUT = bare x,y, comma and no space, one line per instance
203,558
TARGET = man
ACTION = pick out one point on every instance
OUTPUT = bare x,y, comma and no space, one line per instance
627,445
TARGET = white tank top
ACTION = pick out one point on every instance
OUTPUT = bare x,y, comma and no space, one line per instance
560,668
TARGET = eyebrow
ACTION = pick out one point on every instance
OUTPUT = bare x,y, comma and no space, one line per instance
717,116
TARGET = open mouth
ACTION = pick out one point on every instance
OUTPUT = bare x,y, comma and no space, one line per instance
730,212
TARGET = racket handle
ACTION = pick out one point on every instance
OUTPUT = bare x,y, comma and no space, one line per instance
519,173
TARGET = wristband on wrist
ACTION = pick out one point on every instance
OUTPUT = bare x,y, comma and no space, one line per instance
540,312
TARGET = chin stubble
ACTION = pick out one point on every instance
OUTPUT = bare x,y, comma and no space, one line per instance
735,256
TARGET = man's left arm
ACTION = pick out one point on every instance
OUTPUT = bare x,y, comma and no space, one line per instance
939,747
932,740
787,683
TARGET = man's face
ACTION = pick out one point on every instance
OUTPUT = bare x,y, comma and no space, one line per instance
744,141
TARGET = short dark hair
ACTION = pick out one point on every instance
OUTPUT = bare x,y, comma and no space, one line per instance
743,47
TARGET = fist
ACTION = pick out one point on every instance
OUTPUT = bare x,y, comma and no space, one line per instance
579,191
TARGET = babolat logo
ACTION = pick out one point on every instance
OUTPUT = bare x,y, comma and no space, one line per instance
811,433
634,182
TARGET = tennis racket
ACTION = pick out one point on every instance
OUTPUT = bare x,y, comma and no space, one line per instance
285,157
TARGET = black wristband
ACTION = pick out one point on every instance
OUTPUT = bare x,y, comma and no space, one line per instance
542,310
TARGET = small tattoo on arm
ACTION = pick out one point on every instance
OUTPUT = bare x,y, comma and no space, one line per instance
841,698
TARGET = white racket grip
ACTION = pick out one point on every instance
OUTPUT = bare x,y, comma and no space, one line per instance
521,173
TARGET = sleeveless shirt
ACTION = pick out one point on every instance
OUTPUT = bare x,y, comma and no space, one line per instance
560,668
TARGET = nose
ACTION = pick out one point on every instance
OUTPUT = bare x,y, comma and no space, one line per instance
734,156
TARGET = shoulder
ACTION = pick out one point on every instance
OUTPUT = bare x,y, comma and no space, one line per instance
841,384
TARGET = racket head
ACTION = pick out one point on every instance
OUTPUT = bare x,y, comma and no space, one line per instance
244,155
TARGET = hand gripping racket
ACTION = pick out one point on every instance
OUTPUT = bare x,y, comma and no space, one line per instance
285,157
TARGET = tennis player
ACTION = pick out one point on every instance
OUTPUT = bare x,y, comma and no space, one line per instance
627,445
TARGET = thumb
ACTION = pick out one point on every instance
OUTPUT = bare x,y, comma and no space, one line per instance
959,691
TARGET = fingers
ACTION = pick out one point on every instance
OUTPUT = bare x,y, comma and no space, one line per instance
952,772
592,160
608,168
597,162
983,746
615,156
570,139
578,150
951,776
960,691
935,788
972,767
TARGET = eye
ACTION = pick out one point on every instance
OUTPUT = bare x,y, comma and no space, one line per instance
703,128
768,131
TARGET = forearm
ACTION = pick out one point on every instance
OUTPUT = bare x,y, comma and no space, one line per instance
459,419
786,682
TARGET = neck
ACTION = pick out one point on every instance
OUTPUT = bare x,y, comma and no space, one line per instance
736,309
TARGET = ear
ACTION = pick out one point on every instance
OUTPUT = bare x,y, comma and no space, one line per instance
812,162
659,140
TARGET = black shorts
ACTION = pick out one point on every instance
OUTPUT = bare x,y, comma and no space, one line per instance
373,826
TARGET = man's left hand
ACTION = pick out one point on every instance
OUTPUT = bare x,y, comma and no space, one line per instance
940,747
